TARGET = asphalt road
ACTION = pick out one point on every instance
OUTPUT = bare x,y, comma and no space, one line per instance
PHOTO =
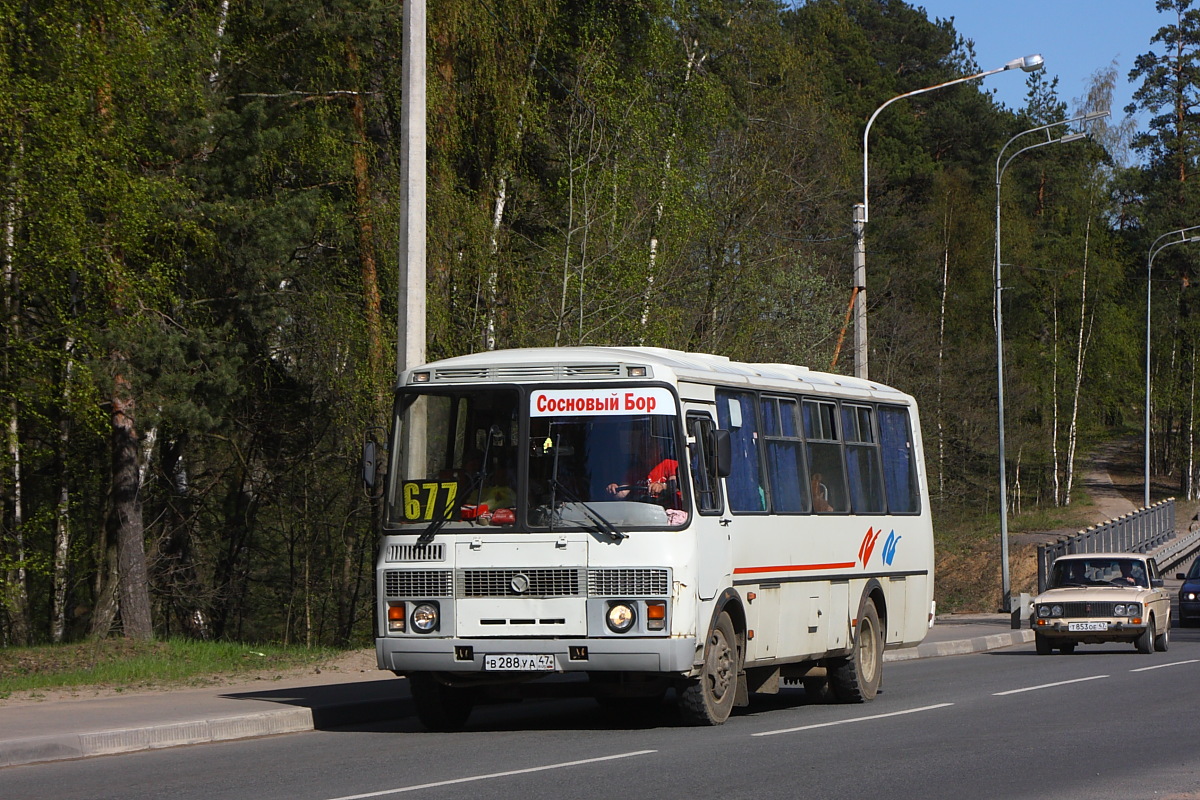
1102,723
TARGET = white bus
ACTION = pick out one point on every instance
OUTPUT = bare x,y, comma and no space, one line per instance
647,519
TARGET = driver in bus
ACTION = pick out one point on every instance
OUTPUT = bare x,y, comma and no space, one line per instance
652,483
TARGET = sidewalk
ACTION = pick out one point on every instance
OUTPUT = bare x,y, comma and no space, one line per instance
33,731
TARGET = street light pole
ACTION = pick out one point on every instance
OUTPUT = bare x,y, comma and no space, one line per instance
861,213
1006,588
1154,250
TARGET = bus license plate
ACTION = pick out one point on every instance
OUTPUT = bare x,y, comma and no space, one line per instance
541,662
1087,626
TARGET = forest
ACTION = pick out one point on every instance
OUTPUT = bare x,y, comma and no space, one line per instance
198,242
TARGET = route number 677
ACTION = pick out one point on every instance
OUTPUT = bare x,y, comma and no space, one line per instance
423,500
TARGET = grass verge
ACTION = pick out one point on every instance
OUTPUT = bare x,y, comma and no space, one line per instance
122,665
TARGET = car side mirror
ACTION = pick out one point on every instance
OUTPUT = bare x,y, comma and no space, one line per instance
1156,583
1179,576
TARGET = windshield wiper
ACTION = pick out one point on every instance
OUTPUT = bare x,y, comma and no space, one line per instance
427,536
601,525
432,529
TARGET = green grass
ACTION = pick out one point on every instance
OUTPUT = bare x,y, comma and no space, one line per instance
120,664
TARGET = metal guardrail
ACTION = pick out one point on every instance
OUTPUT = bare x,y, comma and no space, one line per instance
1147,530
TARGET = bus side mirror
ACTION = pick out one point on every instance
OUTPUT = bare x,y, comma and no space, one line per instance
368,464
724,453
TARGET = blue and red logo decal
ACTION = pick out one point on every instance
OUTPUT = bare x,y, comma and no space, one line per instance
868,546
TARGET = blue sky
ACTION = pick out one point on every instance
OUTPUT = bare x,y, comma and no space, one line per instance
1076,37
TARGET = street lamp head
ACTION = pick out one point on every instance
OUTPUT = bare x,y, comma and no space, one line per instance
1072,137
1028,63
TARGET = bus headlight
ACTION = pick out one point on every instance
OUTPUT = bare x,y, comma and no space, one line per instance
620,617
425,617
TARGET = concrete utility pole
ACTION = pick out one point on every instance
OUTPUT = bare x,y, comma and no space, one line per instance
410,326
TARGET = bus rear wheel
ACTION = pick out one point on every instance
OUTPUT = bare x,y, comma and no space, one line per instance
856,678
708,700
440,707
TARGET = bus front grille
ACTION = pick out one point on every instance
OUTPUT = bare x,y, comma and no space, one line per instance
628,582
517,582
418,583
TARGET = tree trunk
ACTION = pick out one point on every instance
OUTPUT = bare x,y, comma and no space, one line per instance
1085,324
126,513
16,596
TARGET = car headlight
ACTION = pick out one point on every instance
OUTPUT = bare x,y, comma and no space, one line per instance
1043,611
425,617
620,617
1119,610
1056,611
1189,596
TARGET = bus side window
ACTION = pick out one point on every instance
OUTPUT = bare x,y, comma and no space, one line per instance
707,488
785,456
899,469
737,413
827,472
862,459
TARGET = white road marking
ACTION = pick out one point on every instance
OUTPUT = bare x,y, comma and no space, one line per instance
1048,685
525,771
1172,664
856,719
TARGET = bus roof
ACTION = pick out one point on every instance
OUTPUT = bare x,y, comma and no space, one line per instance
536,364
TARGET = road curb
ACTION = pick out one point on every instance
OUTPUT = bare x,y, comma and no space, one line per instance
62,747
958,647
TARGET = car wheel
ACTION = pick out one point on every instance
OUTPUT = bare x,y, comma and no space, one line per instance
1145,642
1163,640
1044,648
1066,648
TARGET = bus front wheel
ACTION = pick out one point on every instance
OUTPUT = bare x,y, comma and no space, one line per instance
440,707
856,678
708,700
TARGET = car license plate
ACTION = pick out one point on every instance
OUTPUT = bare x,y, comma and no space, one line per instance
1087,626
507,662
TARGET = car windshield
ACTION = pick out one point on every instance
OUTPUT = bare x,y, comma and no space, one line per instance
1194,572
1107,571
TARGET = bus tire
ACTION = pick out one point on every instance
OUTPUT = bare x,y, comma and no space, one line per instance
708,699
855,678
440,707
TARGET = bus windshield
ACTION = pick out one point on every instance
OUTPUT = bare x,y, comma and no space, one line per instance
596,460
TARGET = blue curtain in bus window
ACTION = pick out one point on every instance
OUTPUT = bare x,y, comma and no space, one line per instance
862,460
899,471
736,414
785,455
783,463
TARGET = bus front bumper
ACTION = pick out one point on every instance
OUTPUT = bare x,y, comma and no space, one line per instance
420,654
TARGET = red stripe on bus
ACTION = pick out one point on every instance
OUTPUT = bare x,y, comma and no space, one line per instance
792,568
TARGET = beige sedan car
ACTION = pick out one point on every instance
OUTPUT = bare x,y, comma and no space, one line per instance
1102,597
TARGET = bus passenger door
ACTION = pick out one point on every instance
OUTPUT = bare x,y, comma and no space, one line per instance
711,524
